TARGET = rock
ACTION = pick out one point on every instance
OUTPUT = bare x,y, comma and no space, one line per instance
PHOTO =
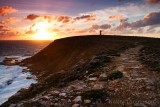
75,105
56,104
29,78
46,97
12,105
139,105
56,92
69,101
62,94
98,86
86,72
92,79
9,82
78,99
87,101
103,75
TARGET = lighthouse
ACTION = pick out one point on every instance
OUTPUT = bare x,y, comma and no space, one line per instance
100,32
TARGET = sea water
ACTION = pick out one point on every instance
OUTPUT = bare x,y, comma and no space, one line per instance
12,79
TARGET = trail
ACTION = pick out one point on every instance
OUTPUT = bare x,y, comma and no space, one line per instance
139,85
138,88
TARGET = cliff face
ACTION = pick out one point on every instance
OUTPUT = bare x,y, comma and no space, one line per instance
65,53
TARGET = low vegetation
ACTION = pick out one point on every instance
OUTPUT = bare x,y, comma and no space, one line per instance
150,54
114,75
94,94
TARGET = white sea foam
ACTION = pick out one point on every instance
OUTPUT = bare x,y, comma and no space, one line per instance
1,59
12,79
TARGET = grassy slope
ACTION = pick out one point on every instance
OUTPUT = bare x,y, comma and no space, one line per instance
64,53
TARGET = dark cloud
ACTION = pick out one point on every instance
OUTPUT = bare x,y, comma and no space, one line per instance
95,27
105,26
154,1
115,17
4,10
152,18
123,24
32,17
9,20
87,18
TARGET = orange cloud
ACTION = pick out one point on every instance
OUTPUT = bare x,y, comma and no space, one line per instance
56,30
115,17
4,10
31,32
154,1
63,19
4,28
9,20
88,18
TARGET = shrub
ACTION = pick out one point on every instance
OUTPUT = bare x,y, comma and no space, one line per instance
94,94
114,75
157,69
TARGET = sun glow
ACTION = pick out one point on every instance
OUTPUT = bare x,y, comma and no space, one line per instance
42,32
42,35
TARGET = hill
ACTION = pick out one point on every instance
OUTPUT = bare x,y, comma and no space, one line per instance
82,70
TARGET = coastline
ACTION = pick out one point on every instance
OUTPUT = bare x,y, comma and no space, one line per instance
90,76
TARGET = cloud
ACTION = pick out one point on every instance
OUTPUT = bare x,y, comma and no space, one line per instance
150,19
9,20
94,27
153,1
115,17
31,32
87,18
128,10
123,24
32,17
4,28
56,30
63,19
12,35
4,10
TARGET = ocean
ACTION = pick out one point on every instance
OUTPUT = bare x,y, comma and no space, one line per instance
12,79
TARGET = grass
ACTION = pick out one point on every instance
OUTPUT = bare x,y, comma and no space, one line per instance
114,75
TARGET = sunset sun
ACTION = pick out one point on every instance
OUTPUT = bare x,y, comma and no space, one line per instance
42,35
42,32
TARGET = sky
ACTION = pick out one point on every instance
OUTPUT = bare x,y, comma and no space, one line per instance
54,19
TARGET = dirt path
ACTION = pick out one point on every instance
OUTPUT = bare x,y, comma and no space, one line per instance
139,86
